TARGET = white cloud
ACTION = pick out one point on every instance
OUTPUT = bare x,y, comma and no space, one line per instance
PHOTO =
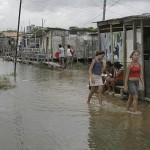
66,13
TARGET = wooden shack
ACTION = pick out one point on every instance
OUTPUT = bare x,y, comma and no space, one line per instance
119,37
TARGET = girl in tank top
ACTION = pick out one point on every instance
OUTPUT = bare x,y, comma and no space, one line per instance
133,76
95,76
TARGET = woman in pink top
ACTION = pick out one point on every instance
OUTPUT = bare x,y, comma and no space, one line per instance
133,75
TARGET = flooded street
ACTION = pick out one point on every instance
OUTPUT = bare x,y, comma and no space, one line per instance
47,110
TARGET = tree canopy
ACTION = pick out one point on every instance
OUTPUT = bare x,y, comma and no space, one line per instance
74,28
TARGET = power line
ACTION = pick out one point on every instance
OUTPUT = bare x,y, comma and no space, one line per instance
48,5
93,2
131,7
116,2
90,21
104,8
40,5
101,13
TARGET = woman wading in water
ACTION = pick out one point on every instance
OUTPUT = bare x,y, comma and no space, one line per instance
133,76
96,81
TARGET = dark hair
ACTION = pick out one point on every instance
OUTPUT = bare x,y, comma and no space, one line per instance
99,53
68,46
60,45
117,65
135,51
109,63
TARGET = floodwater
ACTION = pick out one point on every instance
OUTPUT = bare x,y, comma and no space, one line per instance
47,110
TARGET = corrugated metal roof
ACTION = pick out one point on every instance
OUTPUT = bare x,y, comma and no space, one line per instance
43,31
124,19
9,34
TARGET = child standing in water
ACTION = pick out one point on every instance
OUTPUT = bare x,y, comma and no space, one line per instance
133,75
95,76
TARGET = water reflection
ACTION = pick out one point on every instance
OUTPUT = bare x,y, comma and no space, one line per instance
111,130
48,110
19,134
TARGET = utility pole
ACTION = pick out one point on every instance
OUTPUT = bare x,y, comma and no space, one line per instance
104,9
42,23
17,37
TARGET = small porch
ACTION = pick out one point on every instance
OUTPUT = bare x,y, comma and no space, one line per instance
119,37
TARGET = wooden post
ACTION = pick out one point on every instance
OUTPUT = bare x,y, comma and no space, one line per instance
99,38
134,36
142,51
104,10
142,42
112,44
77,48
17,37
124,49
52,53
92,48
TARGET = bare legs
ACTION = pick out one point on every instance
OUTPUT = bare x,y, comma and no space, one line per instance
135,103
133,99
100,93
129,102
113,85
92,91
110,82
62,62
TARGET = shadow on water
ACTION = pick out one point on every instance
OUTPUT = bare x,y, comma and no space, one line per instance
47,110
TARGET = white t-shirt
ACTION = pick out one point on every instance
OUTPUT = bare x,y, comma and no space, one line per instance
69,52
62,52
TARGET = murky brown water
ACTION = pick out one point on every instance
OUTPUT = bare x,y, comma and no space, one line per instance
47,110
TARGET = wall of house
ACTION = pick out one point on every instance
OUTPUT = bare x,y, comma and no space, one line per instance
44,44
51,41
129,44
139,44
117,45
129,41
56,40
85,45
6,45
58,37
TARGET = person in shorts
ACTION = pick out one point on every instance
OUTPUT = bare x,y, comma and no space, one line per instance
95,76
133,76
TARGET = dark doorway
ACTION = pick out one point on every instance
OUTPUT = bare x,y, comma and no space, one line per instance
147,61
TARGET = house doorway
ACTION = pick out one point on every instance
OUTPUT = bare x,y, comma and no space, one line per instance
147,61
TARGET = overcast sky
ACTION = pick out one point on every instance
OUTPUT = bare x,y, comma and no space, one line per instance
66,13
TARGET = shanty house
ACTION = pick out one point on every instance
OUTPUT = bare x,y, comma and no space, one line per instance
119,37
